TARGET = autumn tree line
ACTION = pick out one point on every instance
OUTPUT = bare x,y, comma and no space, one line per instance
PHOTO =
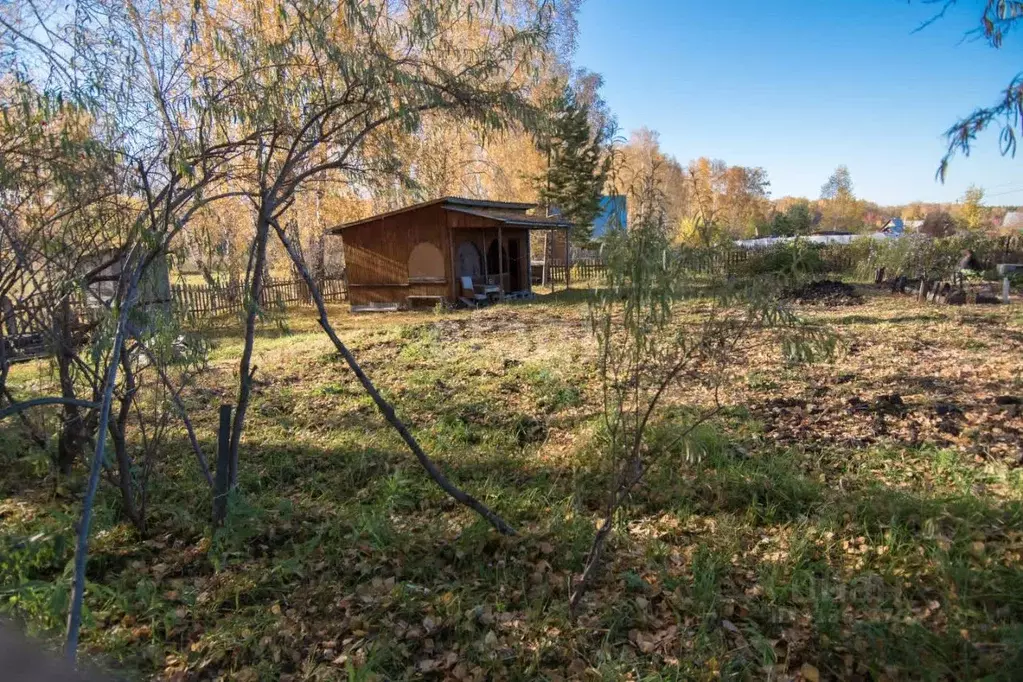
713,204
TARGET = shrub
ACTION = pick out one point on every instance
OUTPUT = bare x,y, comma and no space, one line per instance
793,260
920,256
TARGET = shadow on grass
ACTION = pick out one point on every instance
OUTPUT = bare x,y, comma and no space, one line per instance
560,297
317,522
877,319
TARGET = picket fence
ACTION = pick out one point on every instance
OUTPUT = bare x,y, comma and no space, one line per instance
26,327
212,300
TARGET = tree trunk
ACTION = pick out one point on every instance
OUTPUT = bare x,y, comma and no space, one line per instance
74,619
245,369
319,270
385,407
118,433
73,434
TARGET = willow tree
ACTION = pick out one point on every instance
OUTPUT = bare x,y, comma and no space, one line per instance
195,103
145,161
663,338
315,89
997,19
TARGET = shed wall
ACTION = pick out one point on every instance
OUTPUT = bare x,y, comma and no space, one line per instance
377,257
377,254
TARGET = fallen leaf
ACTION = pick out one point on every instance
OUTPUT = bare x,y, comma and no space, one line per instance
810,673
577,667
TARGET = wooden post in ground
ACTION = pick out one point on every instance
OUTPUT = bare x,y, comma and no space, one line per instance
456,282
547,278
225,477
529,261
486,275
568,260
1005,290
500,259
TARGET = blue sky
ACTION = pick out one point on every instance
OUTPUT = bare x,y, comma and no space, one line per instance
801,86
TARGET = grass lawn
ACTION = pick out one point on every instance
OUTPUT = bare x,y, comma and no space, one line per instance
858,519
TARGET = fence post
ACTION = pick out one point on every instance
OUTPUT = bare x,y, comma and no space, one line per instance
226,475
568,261
8,320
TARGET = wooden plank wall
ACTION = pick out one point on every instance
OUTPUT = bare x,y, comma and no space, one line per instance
377,253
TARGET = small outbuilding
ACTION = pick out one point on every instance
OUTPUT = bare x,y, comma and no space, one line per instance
422,254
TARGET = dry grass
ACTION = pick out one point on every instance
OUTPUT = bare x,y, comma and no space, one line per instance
822,525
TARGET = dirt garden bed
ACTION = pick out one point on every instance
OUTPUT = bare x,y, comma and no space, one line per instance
826,292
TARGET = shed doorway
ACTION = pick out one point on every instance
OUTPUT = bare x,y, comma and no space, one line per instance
470,260
515,266
493,266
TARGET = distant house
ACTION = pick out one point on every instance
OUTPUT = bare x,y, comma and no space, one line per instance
826,237
894,227
898,226
614,213
420,254
102,272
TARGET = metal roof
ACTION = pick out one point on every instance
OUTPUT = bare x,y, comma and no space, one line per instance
514,218
450,203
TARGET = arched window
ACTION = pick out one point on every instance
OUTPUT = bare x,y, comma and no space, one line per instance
425,263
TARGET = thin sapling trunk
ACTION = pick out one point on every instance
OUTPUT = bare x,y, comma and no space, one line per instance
385,407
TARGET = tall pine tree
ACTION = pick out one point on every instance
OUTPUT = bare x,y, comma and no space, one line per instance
577,168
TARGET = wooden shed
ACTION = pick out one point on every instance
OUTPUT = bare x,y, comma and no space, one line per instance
419,255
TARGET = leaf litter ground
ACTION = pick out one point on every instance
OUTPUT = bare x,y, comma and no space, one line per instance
859,519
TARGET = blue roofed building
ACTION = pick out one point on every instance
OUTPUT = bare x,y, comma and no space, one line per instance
613,215
552,245
894,227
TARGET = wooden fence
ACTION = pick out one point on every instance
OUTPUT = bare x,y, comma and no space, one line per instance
582,270
26,327
703,263
203,301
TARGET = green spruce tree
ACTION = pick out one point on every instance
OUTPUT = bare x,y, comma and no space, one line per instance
577,167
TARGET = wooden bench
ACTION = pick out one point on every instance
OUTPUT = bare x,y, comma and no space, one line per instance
415,300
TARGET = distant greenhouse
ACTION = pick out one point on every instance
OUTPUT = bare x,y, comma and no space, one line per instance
1013,220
